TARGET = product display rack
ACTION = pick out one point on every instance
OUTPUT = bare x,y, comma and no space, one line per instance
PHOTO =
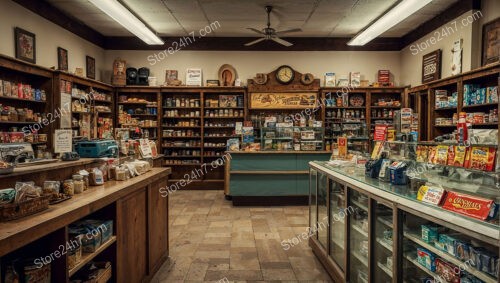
359,123
138,109
99,124
15,72
379,228
193,142
425,101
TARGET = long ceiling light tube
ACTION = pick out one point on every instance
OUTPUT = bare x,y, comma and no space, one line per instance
124,17
397,14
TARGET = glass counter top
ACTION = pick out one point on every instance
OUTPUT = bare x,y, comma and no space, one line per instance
351,172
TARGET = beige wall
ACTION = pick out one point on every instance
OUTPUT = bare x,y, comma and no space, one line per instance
247,64
49,36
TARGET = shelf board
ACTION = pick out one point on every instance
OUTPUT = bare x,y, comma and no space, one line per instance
481,275
384,221
480,105
361,258
182,156
486,124
180,117
137,103
294,172
382,118
387,107
348,107
214,147
17,123
423,268
20,99
212,156
181,127
445,108
186,137
384,244
218,127
190,164
86,258
178,108
221,137
80,112
225,117
188,147
144,115
224,108
358,204
384,268
102,101
360,230
445,126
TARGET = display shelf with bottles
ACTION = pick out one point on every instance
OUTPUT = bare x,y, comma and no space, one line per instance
292,138
138,109
25,103
383,106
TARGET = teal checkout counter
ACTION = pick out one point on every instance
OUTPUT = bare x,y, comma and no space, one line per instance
269,177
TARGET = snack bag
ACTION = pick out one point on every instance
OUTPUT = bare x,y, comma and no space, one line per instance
441,156
482,158
451,155
459,159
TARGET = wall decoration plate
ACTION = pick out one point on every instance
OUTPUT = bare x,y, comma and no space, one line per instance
260,78
227,75
307,78
356,100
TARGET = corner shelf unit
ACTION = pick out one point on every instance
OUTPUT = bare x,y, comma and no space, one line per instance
87,119
424,100
14,72
194,131
138,109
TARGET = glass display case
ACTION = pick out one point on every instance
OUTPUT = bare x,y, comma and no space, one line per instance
393,236
313,194
292,138
353,129
338,213
359,226
322,223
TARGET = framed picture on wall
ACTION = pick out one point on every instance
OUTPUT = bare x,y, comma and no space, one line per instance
62,59
90,63
491,42
25,45
431,66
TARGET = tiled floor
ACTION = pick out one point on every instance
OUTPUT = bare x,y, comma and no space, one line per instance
210,240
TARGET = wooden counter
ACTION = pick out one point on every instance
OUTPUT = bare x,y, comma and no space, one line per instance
269,177
139,213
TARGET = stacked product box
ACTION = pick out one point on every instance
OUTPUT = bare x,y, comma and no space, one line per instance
474,94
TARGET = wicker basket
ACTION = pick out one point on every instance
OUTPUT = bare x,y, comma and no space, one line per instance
18,210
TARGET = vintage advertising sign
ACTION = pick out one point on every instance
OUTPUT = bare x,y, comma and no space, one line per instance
283,100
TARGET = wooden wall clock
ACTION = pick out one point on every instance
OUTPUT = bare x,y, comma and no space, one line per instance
283,79
285,74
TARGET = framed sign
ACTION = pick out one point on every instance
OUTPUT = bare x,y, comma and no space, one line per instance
431,66
63,141
90,67
491,42
62,59
25,45
283,100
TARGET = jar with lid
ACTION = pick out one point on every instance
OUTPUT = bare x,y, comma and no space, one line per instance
69,187
79,184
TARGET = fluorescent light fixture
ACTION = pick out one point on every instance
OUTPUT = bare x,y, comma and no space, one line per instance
124,17
397,14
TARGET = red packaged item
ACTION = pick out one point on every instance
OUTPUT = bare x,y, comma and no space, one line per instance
380,133
447,271
451,155
20,90
471,206
482,158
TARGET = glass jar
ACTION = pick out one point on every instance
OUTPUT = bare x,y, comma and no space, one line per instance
78,183
69,187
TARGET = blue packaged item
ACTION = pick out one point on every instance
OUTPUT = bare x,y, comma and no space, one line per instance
426,259
449,243
398,173
38,94
480,96
372,168
429,233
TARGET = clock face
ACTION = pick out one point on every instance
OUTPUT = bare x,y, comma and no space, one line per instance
285,74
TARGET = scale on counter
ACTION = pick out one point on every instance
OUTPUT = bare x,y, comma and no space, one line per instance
21,154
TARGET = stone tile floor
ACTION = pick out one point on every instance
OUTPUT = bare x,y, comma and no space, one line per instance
212,241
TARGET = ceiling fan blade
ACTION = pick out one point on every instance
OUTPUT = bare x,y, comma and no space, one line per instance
289,30
256,30
281,41
255,41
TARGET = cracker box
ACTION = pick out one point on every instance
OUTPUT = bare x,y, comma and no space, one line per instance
472,206
449,272
492,94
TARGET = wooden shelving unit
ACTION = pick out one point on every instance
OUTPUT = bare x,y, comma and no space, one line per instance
423,100
138,109
97,121
16,73
189,129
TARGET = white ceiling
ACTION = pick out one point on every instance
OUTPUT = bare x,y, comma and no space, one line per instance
317,18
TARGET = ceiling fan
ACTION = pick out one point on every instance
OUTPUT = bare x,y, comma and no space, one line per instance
271,34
